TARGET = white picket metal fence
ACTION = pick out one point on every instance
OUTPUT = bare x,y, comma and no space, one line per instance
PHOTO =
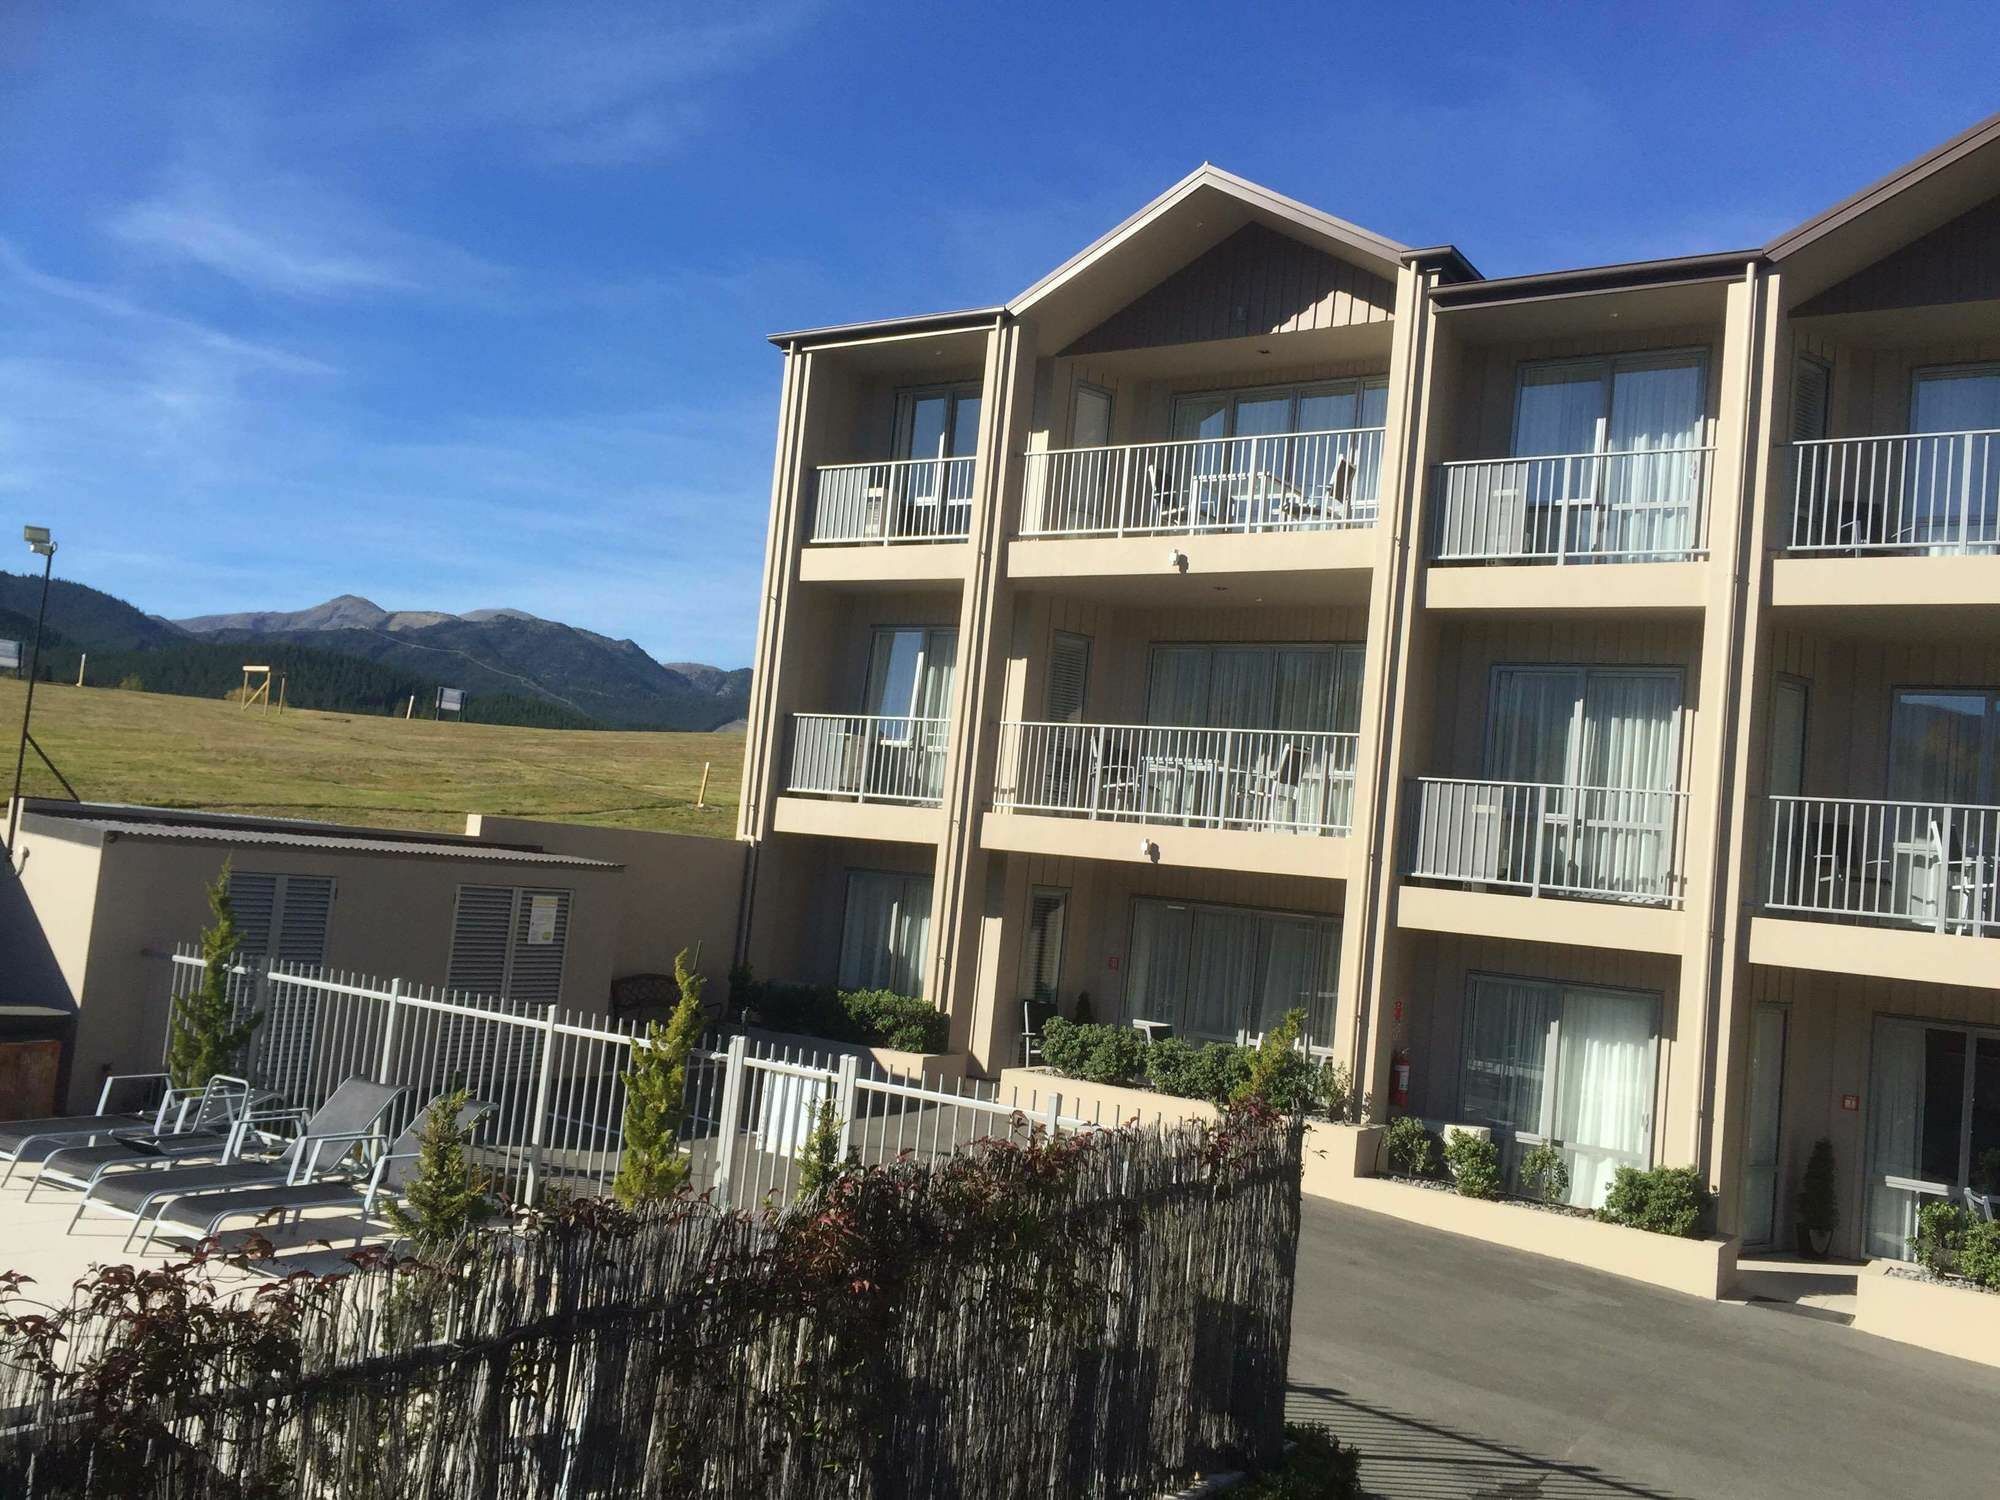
1936,492
1608,843
1277,780
1575,507
1929,865
869,757
1291,481
553,1078
904,500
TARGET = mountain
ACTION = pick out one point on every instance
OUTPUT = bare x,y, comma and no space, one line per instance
88,618
503,651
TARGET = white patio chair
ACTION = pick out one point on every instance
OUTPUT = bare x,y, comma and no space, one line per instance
1983,1205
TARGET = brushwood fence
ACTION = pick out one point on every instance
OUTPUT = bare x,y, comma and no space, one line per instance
554,1079
1098,1314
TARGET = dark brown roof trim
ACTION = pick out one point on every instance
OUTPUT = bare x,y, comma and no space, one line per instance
1448,259
940,322
1626,276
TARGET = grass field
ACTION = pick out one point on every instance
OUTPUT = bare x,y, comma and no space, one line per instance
120,746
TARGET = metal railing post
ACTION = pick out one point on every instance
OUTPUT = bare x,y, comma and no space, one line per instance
1541,831
385,1066
1052,1115
728,1117
538,1127
845,1095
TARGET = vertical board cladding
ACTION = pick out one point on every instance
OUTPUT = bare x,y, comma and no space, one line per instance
1257,281
1956,262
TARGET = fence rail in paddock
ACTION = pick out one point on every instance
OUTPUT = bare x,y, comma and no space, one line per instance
553,1079
1292,481
905,500
1271,780
1929,865
1575,507
1936,492
869,757
1607,843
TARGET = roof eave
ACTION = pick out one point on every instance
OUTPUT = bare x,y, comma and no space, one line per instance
937,322
1971,139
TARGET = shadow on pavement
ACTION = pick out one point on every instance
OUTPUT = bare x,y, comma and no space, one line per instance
1406,1458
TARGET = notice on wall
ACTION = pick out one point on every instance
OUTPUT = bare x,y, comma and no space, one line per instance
541,921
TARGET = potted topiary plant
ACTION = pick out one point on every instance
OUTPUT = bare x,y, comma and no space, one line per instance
1817,1207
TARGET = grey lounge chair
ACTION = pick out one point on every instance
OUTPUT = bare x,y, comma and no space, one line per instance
350,1117
202,1132
34,1140
205,1213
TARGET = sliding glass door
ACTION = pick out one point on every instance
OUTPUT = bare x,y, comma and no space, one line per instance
1944,756
1934,1124
1952,484
938,424
1216,972
1563,1063
885,932
910,674
1620,440
1605,743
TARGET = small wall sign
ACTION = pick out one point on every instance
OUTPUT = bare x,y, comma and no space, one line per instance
1850,1102
1111,963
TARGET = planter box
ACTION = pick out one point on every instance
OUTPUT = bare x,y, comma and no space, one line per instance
1030,1089
1953,1320
931,1067
1701,1268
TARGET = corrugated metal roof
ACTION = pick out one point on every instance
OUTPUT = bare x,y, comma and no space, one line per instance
201,833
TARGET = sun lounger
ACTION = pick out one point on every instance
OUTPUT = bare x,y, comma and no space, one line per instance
34,1140
205,1213
351,1117
203,1133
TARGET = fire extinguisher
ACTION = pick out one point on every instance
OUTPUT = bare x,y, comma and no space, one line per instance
1399,1078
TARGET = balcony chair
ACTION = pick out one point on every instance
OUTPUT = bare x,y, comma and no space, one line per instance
1115,776
1162,505
1332,501
1274,787
1983,1205
388,1179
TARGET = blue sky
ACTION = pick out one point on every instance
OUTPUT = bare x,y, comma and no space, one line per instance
464,305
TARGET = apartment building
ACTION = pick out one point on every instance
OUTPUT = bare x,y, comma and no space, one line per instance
1582,687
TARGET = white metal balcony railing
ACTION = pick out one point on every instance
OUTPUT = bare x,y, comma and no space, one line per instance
1277,780
1927,492
1575,507
1932,865
868,757
1607,843
1295,481
905,500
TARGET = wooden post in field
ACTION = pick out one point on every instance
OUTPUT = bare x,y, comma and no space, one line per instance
283,682
410,707
262,692
81,662
701,797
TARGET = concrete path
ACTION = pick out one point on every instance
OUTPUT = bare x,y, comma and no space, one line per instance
1467,1372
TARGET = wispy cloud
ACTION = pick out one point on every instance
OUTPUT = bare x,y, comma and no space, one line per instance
279,233
588,84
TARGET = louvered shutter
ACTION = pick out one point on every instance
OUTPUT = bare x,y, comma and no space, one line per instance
541,939
253,898
1048,909
1812,383
1069,677
480,928
282,918
305,903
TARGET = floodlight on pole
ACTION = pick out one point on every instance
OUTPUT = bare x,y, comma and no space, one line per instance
43,546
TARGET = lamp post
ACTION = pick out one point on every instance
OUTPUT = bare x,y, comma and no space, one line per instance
40,543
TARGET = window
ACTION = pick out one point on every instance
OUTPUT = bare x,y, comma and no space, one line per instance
1069,677
938,422
1090,417
1563,1063
1220,971
1203,686
1944,746
885,932
1041,964
1330,406
910,671
509,941
1785,771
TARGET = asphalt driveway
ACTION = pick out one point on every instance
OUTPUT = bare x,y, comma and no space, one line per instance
1467,1372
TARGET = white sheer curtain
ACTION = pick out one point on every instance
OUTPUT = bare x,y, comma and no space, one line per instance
1895,1114
885,933
1558,410
1239,688
1156,977
1650,502
1503,1073
1631,754
1177,686
1223,975
1300,957
1534,714
1944,477
1604,1092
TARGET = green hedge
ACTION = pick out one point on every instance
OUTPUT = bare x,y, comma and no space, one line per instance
1213,1071
1950,1242
1665,1200
871,1018
1096,1054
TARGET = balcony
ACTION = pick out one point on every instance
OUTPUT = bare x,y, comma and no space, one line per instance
1927,866
1618,844
1284,482
904,500
1193,794
1916,495
1616,507
869,758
